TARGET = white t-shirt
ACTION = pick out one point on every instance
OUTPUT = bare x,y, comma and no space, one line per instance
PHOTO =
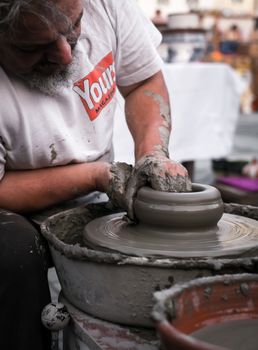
117,47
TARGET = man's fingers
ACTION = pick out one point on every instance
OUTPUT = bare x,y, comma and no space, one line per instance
160,173
120,174
170,183
175,168
130,194
136,181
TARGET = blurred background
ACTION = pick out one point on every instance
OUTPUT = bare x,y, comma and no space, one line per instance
211,31
210,54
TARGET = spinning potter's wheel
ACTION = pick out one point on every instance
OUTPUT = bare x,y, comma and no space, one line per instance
180,225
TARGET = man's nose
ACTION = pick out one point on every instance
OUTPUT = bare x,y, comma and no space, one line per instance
60,51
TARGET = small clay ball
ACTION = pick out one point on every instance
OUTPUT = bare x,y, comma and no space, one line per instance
55,316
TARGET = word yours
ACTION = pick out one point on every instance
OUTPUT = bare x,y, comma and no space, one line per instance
97,89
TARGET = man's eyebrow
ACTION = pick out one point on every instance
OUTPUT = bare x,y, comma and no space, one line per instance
38,45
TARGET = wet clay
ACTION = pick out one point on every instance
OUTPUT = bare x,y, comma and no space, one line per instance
248,211
202,207
176,225
151,169
126,180
65,233
233,335
233,236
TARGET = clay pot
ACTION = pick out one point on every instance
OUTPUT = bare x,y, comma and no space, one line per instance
189,307
181,225
203,207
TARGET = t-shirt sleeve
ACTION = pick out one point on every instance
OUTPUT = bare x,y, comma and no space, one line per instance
137,40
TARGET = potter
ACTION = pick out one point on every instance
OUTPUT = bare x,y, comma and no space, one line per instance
56,147
62,64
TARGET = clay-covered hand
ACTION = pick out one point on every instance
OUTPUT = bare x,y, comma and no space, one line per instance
119,176
158,172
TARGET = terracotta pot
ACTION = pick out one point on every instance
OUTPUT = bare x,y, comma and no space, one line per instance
189,307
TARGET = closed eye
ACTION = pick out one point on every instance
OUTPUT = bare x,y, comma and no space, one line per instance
28,49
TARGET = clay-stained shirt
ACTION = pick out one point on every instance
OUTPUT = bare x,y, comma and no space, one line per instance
117,47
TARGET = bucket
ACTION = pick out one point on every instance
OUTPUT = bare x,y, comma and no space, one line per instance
209,313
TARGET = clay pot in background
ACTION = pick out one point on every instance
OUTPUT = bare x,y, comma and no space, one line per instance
189,307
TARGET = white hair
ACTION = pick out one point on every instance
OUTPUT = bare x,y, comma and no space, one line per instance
11,10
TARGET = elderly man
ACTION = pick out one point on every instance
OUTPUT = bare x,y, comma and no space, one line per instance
62,62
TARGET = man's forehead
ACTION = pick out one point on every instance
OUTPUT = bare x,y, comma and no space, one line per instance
31,27
47,25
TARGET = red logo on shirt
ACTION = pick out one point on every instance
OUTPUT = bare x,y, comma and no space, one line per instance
97,89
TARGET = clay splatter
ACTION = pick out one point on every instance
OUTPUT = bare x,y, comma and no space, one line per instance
53,152
164,106
207,292
164,129
245,290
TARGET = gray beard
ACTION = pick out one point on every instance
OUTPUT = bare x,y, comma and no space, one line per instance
53,84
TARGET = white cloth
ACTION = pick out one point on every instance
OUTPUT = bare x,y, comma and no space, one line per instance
205,101
36,131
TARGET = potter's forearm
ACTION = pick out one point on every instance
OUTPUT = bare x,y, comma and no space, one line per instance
147,111
32,190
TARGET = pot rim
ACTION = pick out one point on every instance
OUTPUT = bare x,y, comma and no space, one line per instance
201,194
167,304
161,296
165,308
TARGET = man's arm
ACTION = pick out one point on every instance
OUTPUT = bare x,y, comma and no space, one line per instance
147,112
32,190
